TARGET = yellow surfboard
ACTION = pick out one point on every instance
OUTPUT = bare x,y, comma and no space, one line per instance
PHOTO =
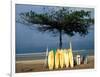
51,60
57,59
71,60
61,58
66,58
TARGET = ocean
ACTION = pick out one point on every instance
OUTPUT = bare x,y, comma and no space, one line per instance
42,55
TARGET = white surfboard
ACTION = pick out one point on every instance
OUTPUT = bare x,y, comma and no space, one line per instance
46,57
61,58
66,58
57,59
51,60
71,60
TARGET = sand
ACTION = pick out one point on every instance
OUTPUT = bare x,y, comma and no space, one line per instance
39,65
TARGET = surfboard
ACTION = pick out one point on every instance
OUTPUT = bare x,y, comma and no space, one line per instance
66,58
46,58
51,60
54,50
61,58
71,60
57,59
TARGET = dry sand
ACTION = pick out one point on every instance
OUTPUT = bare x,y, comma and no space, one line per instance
39,65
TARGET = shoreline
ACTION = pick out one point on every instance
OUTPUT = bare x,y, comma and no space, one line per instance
42,55
74,51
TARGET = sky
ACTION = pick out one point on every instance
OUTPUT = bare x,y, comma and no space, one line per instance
31,40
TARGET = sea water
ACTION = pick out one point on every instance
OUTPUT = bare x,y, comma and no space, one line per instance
42,55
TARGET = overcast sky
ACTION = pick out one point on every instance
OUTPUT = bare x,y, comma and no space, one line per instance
28,40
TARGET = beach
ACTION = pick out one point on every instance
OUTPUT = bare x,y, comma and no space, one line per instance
35,62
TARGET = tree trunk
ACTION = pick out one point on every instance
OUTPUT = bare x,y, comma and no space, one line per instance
60,39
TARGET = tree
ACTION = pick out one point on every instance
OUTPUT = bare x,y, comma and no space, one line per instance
62,21
77,22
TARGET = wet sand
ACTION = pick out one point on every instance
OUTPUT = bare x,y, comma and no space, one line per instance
39,65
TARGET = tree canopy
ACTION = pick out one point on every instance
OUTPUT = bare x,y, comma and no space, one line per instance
62,21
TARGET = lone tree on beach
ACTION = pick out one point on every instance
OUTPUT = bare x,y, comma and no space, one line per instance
61,21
